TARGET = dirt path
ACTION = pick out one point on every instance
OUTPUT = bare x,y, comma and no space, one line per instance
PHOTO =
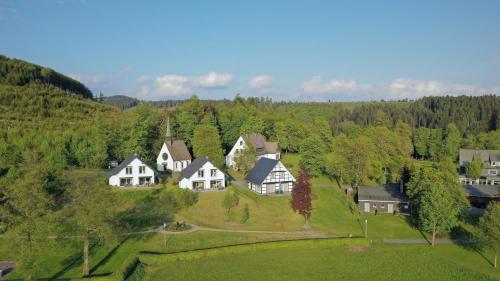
423,241
194,228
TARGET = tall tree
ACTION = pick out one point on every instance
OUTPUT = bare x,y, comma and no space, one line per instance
312,155
26,208
207,143
301,201
474,168
245,159
489,226
452,141
92,217
438,200
252,125
355,157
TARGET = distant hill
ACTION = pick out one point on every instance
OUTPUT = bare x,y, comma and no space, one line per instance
19,73
121,101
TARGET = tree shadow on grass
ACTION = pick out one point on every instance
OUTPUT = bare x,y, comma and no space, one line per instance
106,258
468,241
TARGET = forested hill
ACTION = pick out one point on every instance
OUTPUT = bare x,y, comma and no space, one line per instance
121,101
19,73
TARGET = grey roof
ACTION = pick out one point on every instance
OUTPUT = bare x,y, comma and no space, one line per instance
261,170
482,190
389,192
466,155
195,166
261,145
125,163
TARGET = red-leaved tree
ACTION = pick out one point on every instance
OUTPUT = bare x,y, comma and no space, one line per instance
301,195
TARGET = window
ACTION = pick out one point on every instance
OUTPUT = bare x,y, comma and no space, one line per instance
201,173
241,143
176,165
493,163
382,205
374,206
492,172
213,172
142,169
128,170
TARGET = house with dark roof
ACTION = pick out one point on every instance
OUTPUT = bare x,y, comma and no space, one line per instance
383,199
132,171
202,175
263,148
270,176
491,166
480,195
174,154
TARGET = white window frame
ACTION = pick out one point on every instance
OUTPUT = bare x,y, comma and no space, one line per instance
213,172
492,172
142,169
128,170
201,173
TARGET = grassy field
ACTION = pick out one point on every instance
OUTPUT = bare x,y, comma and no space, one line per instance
379,262
266,213
333,215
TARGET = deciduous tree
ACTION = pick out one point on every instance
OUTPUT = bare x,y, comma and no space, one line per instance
301,201
206,143
489,226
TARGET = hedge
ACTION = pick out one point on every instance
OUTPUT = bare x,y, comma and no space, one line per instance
156,259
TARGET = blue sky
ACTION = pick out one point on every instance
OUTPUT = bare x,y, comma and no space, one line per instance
286,50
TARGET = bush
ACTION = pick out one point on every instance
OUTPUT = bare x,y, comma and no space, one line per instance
245,214
185,197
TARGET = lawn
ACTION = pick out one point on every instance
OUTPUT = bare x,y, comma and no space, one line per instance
266,212
379,262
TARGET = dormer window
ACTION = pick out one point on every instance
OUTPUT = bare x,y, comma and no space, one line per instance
493,163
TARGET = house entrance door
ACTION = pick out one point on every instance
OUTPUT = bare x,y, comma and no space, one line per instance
390,208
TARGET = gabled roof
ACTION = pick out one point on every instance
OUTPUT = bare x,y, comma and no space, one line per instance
261,170
261,145
482,190
126,162
466,155
195,166
388,193
179,150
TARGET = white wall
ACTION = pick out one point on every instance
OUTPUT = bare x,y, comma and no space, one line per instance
172,165
207,167
115,179
272,183
239,145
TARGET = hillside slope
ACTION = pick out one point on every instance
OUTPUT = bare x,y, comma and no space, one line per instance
19,73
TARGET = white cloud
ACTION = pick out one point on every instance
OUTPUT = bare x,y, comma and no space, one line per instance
176,85
143,79
260,82
413,89
315,86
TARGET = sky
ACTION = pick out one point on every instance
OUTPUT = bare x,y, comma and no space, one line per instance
284,50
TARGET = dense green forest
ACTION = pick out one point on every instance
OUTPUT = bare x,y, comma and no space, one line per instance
18,73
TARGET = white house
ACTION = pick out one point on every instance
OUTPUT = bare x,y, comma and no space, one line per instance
202,175
270,176
173,155
263,148
132,172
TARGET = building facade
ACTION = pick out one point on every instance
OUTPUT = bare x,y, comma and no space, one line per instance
263,148
132,172
202,175
270,176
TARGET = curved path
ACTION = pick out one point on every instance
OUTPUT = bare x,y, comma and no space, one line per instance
195,228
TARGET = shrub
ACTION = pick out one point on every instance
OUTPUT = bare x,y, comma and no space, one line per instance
245,214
